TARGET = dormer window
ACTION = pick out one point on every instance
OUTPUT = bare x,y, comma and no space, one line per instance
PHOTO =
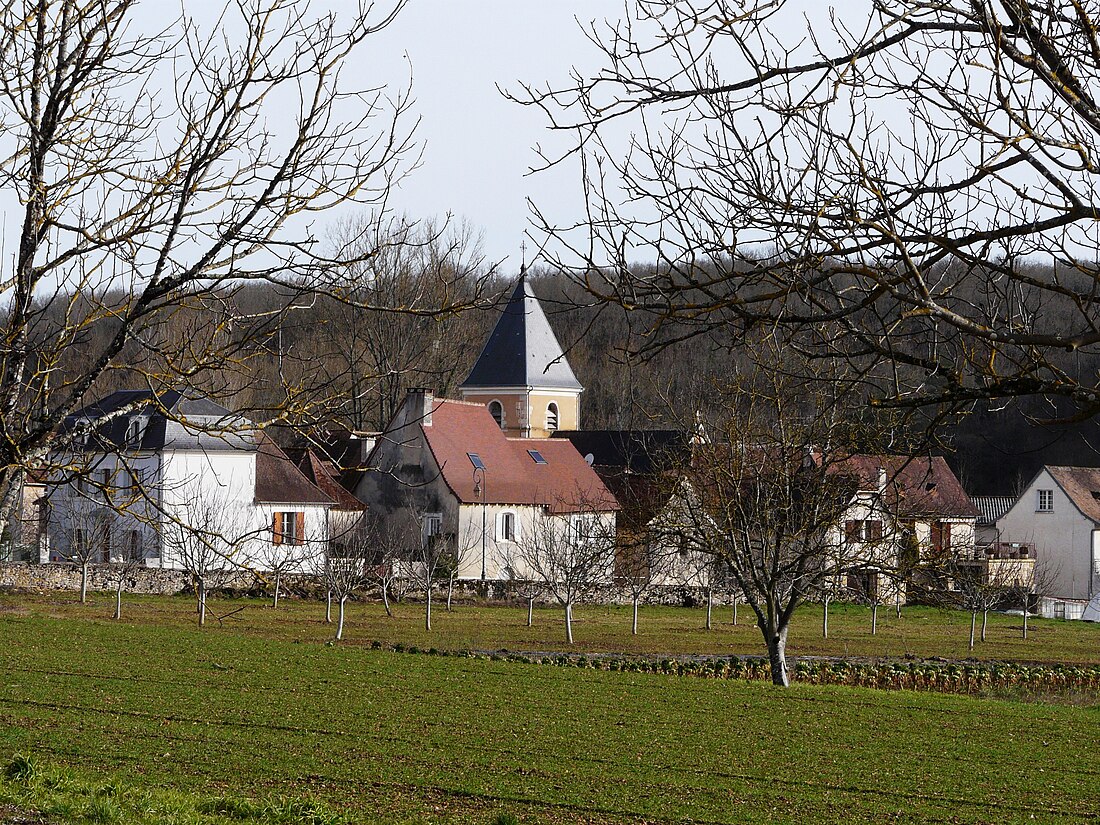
496,410
551,417
135,431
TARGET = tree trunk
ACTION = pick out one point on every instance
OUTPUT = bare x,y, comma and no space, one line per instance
275,600
985,622
340,618
824,618
777,657
736,600
84,582
428,608
530,611
973,623
569,622
450,590
1025,617
200,590
710,605
386,598
874,619
634,620
897,601
328,605
118,599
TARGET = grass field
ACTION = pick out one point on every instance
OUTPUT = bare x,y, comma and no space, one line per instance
259,710
921,631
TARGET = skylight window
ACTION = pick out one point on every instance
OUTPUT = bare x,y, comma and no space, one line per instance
536,456
475,459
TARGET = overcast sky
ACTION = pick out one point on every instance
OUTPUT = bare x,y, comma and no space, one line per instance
478,145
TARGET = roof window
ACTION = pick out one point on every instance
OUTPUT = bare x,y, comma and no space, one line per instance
475,459
536,456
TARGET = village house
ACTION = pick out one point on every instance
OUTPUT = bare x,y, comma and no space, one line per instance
167,468
446,468
1058,514
908,524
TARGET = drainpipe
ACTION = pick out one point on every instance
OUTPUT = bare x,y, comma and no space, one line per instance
1094,553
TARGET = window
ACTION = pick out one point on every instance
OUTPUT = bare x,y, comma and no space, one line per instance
135,431
1046,501
288,528
475,459
496,410
552,417
506,527
584,527
863,530
133,546
536,456
430,527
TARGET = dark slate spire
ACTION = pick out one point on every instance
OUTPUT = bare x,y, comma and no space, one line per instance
522,350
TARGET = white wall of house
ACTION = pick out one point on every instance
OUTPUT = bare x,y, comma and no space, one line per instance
1066,564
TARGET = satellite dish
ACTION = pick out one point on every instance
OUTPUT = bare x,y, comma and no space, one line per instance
588,459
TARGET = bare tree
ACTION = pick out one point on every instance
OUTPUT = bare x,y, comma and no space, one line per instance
641,563
521,581
85,535
159,174
927,177
570,553
764,498
135,544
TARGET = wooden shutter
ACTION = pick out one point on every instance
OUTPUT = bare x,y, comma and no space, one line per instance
947,536
876,531
851,530
299,527
277,529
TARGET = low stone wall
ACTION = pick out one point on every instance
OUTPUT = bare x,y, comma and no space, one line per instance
42,578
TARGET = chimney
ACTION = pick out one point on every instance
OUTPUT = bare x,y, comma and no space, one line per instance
881,479
421,403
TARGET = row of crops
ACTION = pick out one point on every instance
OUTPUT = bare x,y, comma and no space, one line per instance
943,677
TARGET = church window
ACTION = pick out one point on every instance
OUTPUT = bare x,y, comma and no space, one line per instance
496,410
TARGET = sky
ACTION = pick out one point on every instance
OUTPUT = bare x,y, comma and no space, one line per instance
478,146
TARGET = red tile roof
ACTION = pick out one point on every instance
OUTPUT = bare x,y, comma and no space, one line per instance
565,483
326,476
915,486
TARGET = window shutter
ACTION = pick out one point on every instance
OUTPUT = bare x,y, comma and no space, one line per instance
876,531
277,529
947,535
300,527
851,530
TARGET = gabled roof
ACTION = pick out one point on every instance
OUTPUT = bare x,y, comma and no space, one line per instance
522,350
175,420
637,451
278,481
1082,486
326,476
916,486
564,483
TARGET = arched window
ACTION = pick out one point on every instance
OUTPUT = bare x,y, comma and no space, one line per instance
506,527
552,417
496,410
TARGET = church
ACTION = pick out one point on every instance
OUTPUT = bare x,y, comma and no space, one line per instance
481,472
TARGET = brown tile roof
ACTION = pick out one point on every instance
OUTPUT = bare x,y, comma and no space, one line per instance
565,482
278,481
326,476
916,486
1082,485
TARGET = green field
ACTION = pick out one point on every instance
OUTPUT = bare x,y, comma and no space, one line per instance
921,631
387,737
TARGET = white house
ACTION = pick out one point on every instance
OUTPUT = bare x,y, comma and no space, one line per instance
445,467
1059,515
159,478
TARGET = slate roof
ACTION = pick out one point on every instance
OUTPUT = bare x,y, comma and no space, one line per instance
565,483
637,451
1082,485
278,481
917,486
522,350
991,508
176,421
